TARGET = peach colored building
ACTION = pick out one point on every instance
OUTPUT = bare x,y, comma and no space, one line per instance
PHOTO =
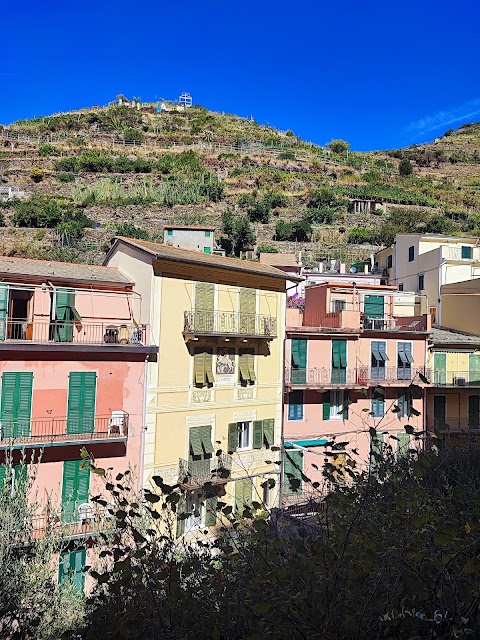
72,372
351,339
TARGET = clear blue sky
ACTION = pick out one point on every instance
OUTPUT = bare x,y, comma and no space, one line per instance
380,74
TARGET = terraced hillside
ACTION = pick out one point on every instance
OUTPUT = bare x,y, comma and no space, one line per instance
70,182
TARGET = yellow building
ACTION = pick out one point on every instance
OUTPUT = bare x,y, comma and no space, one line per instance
220,325
453,395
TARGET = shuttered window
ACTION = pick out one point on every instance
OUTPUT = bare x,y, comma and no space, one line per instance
16,404
339,361
378,359
405,360
248,308
439,410
65,315
263,434
246,366
474,368
3,311
403,444
295,405
326,405
82,391
292,471
200,450
440,368
376,450
204,306
71,564
378,407
299,361
467,253
243,494
75,488
203,366
269,432
373,306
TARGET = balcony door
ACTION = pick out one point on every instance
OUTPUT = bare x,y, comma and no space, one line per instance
204,307
439,410
474,412
75,488
440,368
248,309
474,368
3,311
200,452
82,391
16,404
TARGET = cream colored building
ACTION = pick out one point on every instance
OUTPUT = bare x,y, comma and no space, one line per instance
425,263
217,386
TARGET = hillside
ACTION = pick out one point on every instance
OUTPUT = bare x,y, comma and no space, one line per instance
69,182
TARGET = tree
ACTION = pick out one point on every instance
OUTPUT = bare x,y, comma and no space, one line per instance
237,233
359,235
338,146
405,167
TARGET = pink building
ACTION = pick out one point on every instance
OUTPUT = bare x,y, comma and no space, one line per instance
72,375
351,339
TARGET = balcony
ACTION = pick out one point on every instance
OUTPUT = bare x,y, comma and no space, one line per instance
64,431
82,332
89,520
456,378
465,253
455,425
361,376
395,323
195,473
230,324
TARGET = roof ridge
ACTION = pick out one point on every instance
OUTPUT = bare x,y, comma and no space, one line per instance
73,264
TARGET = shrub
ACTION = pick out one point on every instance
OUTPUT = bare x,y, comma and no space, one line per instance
300,231
129,230
267,248
45,150
286,155
237,233
439,224
289,133
338,146
258,208
66,164
324,197
323,215
135,135
41,211
405,167
65,177
359,235
36,174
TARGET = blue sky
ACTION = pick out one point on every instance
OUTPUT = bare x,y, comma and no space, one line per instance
378,74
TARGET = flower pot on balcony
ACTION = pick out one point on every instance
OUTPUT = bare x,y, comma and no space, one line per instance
123,334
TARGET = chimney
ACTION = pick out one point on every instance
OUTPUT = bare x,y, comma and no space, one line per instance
342,267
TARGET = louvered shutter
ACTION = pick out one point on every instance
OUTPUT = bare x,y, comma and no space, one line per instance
78,561
23,403
206,436
376,448
346,403
382,348
403,443
199,367
232,437
257,434
3,311
64,567
474,368
239,495
64,327
211,511
89,401
69,489
326,405
248,303
292,470
374,306
335,354
401,406
9,389
83,484
440,368
3,473
269,432
209,366
243,366
181,510
82,387
295,353
342,352
195,441
251,365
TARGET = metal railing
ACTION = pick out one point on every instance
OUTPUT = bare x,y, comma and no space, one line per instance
445,378
394,323
74,332
64,430
455,425
359,376
303,503
456,253
87,520
195,473
229,323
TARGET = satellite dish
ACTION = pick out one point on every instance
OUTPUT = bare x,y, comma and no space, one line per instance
353,269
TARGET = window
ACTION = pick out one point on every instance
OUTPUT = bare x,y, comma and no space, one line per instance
389,262
246,366
299,361
378,359
400,286
474,368
202,366
246,435
467,253
404,404
75,489
170,232
440,368
338,305
206,250
336,405
204,307
207,234
339,361
374,306
474,412
243,494
403,444
244,432
194,511
378,407
82,386
70,567
248,309
439,411
421,282
376,450
16,404
295,405
404,361
292,471
18,477
411,254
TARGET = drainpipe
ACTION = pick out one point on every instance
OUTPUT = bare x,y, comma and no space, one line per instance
143,432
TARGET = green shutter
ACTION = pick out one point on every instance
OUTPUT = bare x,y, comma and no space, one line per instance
376,445
342,352
326,405
248,303
16,403
473,412
3,311
64,302
181,510
3,474
269,432
243,494
232,437
70,567
299,361
206,436
243,367
75,488
257,434
440,368
292,470
208,367
346,403
374,306
204,306
82,386
467,253
335,354
295,353
403,444
199,366
211,511
196,441
251,365
474,367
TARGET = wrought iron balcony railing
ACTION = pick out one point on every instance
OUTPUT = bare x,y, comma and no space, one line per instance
195,473
82,332
350,377
229,323
444,378
407,374
87,520
64,430
455,425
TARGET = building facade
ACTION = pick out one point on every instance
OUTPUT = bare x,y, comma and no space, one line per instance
72,376
217,387
196,238
350,361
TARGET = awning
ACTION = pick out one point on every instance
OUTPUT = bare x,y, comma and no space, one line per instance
305,443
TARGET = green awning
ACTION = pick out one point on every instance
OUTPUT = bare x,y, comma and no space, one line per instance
305,443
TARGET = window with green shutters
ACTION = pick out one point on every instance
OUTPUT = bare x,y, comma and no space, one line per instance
404,361
75,488
16,406
243,494
474,368
295,405
440,368
82,391
378,359
339,361
70,567
404,404
292,471
203,366
262,434
376,450
200,450
204,306
403,444
467,253
474,412
246,366
3,311
326,405
17,478
373,306
299,361
248,309
65,315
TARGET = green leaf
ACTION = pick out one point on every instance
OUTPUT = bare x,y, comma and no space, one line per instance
99,472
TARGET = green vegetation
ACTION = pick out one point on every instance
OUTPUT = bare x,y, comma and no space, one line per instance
258,207
129,230
237,233
45,150
300,231
266,248
405,167
338,146
359,235
42,211
36,174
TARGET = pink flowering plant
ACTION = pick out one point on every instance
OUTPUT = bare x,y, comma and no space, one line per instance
295,302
